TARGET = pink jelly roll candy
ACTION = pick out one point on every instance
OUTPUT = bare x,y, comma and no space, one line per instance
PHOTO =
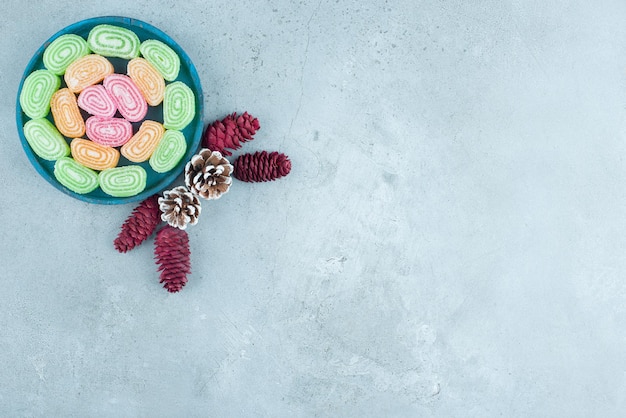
127,97
96,101
108,131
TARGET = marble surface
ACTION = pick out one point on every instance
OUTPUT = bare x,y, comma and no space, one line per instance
450,242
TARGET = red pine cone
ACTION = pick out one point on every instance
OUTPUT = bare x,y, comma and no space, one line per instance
171,250
261,166
247,125
230,132
139,225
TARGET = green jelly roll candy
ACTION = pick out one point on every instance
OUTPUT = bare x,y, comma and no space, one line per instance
169,151
179,106
123,181
45,139
113,41
37,91
162,57
75,176
63,51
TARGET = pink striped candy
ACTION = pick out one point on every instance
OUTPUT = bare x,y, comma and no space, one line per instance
108,131
96,101
127,97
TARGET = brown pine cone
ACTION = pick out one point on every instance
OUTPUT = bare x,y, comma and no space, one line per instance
208,174
261,166
179,207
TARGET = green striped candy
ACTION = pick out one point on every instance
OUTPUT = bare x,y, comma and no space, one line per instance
37,91
75,176
63,51
123,181
45,140
162,57
179,106
113,41
169,151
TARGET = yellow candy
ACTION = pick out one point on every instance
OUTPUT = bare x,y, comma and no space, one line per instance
67,117
93,155
86,71
148,79
141,146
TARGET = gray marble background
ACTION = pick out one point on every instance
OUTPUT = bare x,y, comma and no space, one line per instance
450,242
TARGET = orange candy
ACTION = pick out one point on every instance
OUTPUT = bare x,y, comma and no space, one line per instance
67,117
86,71
93,155
141,146
148,79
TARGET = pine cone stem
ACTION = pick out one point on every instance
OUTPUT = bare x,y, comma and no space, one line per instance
139,225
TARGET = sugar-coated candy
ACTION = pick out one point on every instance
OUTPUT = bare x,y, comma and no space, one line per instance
96,101
123,181
148,79
86,71
141,146
45,140
36,92
170,151
179,106
75,176
63,51
67,117
93,155
109,131
127,97
164,58
113,41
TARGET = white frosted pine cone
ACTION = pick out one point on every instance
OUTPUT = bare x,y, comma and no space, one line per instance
179,207
208,174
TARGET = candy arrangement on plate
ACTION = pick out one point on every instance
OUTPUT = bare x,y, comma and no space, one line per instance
109,110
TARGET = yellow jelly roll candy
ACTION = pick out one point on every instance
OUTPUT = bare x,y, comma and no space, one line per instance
170,151
66,114
141,146
179,106
75,176
93,155
36,92
123,181
113,41
148,79
63,51
164,58
45,140
86,71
